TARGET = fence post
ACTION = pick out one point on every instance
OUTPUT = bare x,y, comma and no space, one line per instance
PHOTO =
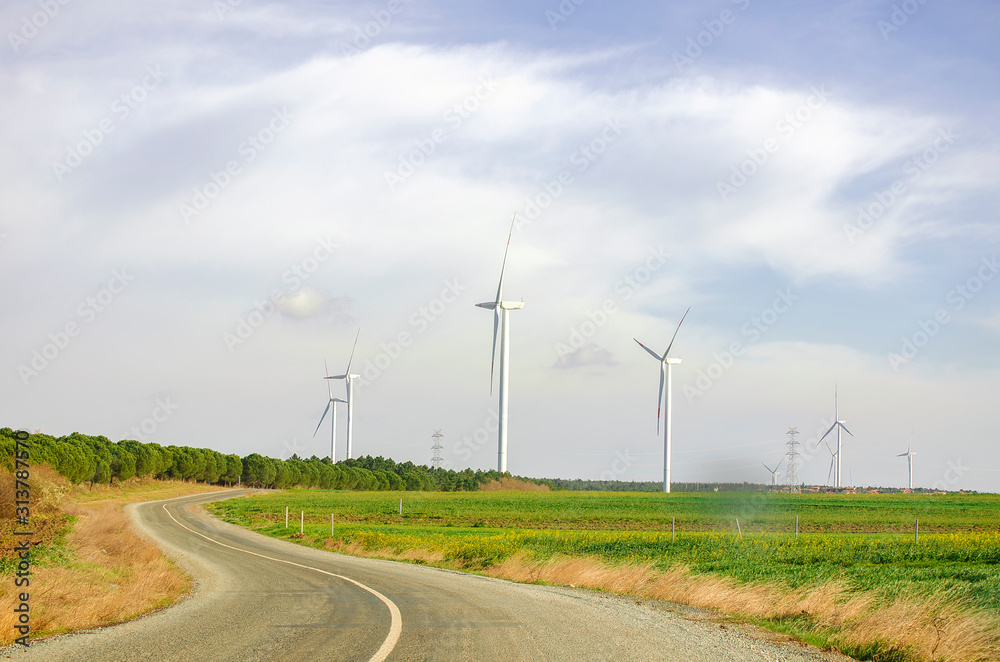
286,517
400,506
331,525
671,529
738,530
916,530
796,527
302,521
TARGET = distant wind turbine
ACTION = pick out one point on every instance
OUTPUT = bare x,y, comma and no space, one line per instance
500,310
909,461
331,403
839,425
774,471
349,377
665,376
833,462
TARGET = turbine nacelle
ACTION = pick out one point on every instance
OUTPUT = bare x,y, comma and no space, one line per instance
503,305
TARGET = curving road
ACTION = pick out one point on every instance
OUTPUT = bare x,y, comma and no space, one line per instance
258,598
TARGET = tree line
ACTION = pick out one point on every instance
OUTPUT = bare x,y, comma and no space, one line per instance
98,460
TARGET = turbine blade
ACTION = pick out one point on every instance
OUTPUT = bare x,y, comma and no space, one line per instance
666,353
829,431
663,377
348,371
493,354
329,387
830,472
651,352
329,404
845,428
504,265
778,466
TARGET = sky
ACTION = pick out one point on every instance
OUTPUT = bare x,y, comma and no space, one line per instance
204,201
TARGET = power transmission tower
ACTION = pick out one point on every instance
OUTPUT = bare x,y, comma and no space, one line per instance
437,448
792,456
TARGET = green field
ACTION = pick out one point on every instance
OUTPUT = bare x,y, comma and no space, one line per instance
865,542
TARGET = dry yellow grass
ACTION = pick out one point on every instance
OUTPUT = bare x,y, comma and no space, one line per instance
414,555
931,628
116,576
113,574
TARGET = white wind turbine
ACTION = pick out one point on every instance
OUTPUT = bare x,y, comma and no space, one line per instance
349,378
833,462
500,310
774,471
665,376
839,425
909,460
331,403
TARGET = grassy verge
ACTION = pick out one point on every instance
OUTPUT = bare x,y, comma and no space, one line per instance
875,594
88,568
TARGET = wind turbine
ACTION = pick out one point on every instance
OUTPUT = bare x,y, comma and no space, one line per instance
500,310
839,425
833,461
774,471
349,377
909,461
332,402
665,375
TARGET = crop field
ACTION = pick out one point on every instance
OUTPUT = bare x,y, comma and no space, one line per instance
855,556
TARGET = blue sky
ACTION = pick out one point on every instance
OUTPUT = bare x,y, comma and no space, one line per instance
171,170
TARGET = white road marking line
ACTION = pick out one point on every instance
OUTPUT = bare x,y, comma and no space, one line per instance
396,622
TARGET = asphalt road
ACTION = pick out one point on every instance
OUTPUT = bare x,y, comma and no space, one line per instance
258,598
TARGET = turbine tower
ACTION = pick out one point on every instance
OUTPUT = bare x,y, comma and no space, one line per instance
774,471
331,403
909,462
665,375
500,310
839,425
349,377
